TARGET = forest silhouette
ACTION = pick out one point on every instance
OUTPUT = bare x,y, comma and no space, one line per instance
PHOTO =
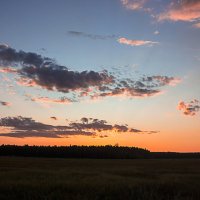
99,152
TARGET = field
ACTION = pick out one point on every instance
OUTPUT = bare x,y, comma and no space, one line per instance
139,179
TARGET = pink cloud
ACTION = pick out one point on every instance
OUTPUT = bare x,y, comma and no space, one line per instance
26,82
7,70
50,100
190,108
126,41
185,10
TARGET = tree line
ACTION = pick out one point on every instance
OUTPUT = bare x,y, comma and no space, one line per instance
103,152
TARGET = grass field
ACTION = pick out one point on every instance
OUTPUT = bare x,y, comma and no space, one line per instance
51,178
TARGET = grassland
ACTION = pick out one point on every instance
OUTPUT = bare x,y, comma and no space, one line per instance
52,179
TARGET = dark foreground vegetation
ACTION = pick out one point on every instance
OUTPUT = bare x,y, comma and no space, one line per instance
103,152
29,178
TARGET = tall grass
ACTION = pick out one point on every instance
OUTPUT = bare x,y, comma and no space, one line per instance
55,179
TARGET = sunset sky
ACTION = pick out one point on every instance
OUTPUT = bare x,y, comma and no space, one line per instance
93,72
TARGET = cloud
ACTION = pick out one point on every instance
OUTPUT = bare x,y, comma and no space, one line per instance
7,70
191,108
121,40
126,41
145,87
128,91
133,4
197,25
4,103
62,100
54,118
158,81
54,77
34,70
9,55
23,81
91,36
184,10
46,73
4,46
22,127
156,32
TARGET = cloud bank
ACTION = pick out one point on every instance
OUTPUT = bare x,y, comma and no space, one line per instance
22,127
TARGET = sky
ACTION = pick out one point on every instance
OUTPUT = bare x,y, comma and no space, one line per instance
106,72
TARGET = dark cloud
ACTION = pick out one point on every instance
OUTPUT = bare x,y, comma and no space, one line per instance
61,79
91,36
22,127
147,86
91,124
159,81
35,70
102,126
103,136
191,108
24,123
46,73
9,55
4,103
130,91
4,46
26,127
54,118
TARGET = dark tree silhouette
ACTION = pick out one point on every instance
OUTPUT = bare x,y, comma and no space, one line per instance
104,152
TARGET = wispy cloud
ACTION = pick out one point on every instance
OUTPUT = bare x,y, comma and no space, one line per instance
133,4
145,87
121,40
4,103
191,108
48,100
184,10
197,25
91,36
126,41
156,32
22,127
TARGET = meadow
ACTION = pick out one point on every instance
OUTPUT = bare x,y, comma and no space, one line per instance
27,178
